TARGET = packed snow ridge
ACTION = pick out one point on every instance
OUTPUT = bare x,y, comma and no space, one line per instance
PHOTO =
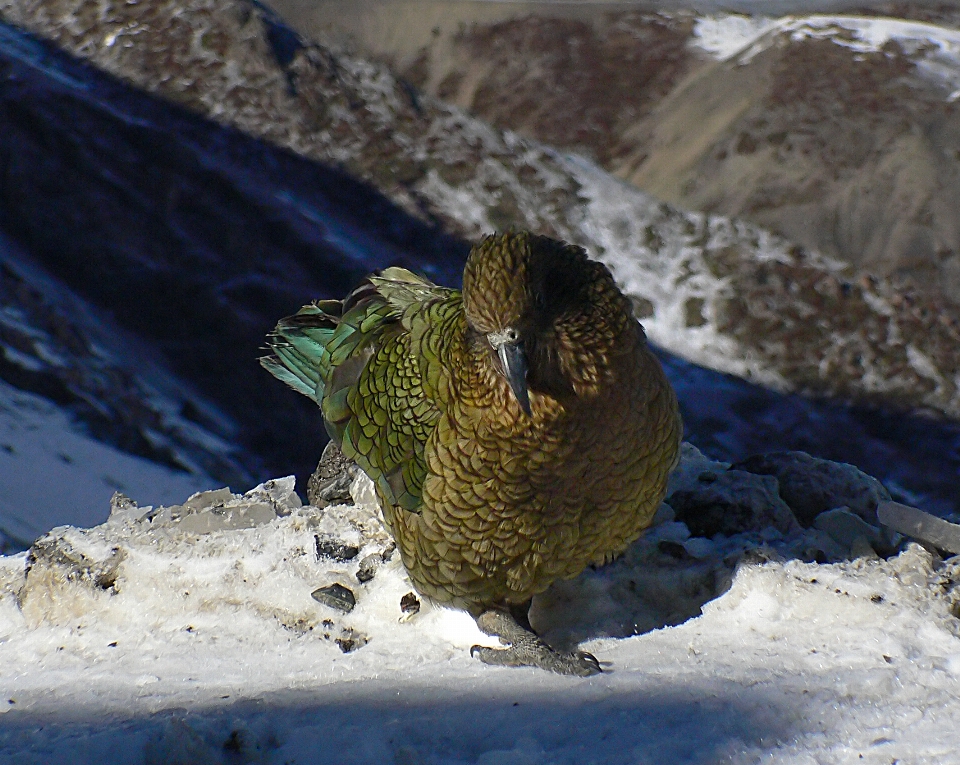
256,629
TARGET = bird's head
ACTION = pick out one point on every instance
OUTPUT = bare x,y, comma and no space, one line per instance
547,315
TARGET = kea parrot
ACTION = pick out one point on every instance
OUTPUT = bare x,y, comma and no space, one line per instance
517,430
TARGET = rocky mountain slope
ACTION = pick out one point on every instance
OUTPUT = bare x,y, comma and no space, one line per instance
191,238
838,132
212,232
714,290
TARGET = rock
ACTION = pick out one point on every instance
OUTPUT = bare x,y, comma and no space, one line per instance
244,516
351,640
921,526
846,528
336,596
811,486
330,482
410,603
222,510
204,500
368,567
409,606
731,502
335,549
65,572
280,492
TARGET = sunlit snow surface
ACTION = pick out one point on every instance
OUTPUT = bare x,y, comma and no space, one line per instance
210,649
934,49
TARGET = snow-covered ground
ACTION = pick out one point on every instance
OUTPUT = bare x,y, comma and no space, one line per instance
142,641
51,473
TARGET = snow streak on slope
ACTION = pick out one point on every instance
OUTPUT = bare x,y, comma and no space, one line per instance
703,283
656,261
147,643
934,49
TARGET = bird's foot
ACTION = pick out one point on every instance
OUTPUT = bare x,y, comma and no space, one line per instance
525,649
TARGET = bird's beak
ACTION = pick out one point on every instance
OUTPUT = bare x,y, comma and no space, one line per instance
514,362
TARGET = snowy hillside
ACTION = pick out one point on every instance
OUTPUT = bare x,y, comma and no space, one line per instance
85,410
51,473
935,49
189,635
248,231
438,163
836,131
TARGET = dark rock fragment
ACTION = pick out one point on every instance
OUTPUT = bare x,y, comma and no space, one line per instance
331,547
410,604
368,567
330,482
336,596
730,503
810,485
351,640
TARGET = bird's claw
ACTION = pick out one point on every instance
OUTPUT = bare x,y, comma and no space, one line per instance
575,663
525,649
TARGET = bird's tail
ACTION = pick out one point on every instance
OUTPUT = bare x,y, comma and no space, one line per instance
321,350
300,346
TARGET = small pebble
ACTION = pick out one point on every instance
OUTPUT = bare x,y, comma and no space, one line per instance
410,604
351,640
336,596
331,547
368,567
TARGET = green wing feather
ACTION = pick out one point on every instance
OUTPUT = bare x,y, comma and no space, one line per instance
371,363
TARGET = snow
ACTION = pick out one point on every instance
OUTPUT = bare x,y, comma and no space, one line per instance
726,35
934,49
167,646
51,473
616,227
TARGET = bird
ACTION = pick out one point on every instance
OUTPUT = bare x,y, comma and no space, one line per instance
517,430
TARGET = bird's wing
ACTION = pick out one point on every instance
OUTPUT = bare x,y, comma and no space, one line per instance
399,394
373,366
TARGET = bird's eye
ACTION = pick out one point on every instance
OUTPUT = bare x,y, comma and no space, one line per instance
511,335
